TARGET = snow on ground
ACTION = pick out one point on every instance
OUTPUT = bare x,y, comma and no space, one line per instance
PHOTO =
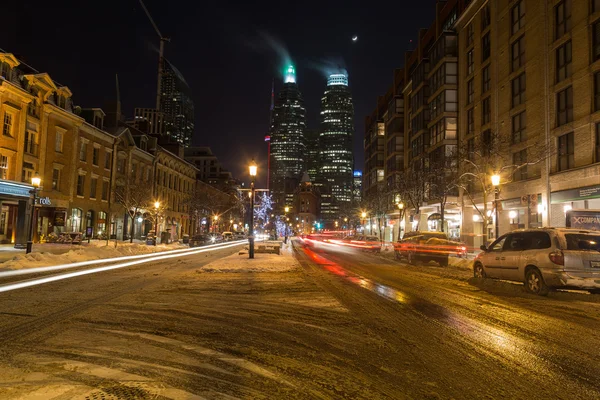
44,255
262,262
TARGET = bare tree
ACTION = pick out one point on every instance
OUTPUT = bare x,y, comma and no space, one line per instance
490,154
134,197
411,186
377,203
207,200
443,178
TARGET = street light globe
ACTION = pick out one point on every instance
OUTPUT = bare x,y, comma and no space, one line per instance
364,214
401,206
287,209
216,217
36,180
346,219
140,219
253,168
495,180
157,204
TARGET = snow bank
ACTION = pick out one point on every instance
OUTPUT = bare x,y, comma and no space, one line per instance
460,263
260,263
93,251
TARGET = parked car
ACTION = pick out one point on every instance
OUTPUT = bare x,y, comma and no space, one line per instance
216,238
199,240
239,235
428,246
227,236
543,259
366,242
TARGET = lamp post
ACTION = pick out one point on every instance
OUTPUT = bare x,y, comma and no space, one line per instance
496,184
156,207
364,217
285,236
400,218
253,169
35,182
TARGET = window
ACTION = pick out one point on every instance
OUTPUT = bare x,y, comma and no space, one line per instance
470,34
121,165
76,216
485,79
3,169
517,17
597,143
107,159
8,124
28,170
485,17
498,244
93,185
597,91
519,123
596,41
470,62
471,149
56,179
101,223
486,142
470,91
95,156
595,5
518,90
470,122
83,151
58,144
485,47
485,111
134,171
80,184
564,106
517,53
520,162
562,18
566,152
30,144
104,190
563,62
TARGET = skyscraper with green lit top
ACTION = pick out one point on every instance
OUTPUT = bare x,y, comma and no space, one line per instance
288,124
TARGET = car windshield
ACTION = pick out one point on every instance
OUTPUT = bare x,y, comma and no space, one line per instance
582,241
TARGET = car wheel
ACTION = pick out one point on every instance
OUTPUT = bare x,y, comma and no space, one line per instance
478,271
534,282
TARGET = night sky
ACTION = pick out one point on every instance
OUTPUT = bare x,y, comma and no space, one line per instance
229,52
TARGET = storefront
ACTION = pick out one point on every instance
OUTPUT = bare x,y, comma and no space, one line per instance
584,198
519,213
15,205
51,218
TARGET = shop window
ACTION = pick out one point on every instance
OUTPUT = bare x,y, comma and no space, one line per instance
101,223
76,216
89,223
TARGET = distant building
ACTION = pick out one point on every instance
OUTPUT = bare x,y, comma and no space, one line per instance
177,105
307,205
148,120
335,146
288,149
313,165
210,169
357,186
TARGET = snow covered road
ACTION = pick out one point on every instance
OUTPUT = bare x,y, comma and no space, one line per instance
344,325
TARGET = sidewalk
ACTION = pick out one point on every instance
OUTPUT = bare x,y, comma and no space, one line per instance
46,254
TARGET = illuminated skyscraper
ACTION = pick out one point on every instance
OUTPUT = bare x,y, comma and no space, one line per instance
177,106
335,143
287,141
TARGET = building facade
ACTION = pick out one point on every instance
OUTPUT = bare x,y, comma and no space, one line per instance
176,105
336,155
288,151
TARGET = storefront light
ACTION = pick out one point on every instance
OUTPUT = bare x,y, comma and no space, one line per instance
512,214
475,217
140,219
567,207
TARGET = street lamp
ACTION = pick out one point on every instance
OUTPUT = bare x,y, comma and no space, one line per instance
285,233
253,170
496,184
35,182
156,207
400,218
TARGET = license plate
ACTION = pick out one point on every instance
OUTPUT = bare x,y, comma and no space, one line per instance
595,264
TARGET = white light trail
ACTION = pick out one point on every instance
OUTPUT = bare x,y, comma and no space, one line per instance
26,271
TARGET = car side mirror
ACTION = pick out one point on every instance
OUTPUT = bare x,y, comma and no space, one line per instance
482,247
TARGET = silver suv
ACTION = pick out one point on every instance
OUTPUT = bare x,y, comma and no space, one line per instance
543,258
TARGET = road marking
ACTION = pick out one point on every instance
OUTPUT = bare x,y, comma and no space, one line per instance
54,278
26,271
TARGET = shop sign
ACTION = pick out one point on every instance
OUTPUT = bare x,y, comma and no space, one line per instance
583,219
44,201
511,203
14,189
584,193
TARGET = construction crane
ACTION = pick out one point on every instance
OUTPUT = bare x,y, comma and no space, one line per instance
163,39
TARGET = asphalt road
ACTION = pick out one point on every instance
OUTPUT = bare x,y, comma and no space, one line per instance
343,325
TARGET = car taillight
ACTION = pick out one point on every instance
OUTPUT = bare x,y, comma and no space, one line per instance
557,257
463,248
